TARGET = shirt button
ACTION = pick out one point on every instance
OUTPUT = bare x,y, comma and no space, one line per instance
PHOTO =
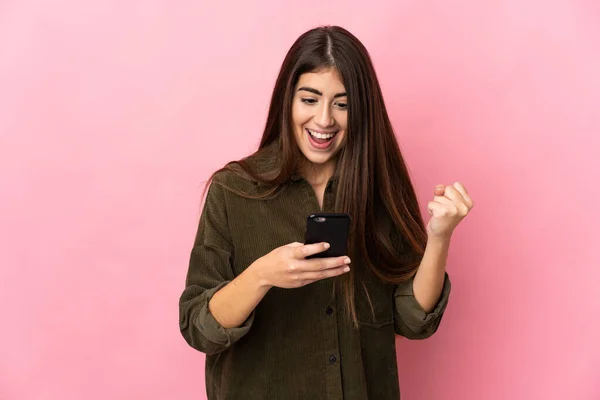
332,359
329,310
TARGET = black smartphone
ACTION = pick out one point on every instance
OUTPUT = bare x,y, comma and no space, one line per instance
331,228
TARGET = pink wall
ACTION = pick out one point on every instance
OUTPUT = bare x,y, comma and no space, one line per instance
113,113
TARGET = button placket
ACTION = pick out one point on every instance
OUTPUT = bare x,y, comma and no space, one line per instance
331,346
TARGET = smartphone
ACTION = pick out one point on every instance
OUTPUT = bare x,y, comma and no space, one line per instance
331,228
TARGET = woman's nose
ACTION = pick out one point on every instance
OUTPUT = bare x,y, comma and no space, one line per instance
323,117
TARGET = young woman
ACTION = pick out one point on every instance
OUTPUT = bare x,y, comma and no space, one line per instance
275,325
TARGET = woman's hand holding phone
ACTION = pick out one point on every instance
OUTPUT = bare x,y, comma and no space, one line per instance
287,266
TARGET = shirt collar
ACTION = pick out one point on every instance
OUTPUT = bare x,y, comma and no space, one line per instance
296,177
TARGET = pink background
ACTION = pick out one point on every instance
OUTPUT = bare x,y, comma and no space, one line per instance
112,114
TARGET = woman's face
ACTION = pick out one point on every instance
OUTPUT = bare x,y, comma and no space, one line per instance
320,116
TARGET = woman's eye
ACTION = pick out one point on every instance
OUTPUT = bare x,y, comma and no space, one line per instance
342,106
309,101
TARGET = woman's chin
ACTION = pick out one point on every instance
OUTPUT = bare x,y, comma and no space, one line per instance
318,159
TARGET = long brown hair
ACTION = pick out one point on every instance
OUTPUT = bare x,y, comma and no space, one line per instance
372,175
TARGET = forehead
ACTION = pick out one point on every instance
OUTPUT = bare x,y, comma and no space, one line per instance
326,81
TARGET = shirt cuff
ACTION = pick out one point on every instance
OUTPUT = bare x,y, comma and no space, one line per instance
212,330
410,313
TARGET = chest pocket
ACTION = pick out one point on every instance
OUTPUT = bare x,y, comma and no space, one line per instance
374,302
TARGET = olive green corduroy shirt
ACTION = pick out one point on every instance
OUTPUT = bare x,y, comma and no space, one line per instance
297,343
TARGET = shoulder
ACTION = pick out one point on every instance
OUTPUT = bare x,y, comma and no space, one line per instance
227,177
265,160
236,176
232,181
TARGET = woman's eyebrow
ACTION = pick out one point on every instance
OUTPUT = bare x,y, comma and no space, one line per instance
315,91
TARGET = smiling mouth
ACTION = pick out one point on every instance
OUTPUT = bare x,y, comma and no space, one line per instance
320,140
320,135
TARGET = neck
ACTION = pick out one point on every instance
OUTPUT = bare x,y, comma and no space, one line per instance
318,174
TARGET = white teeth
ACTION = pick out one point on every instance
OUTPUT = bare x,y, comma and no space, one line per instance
321,135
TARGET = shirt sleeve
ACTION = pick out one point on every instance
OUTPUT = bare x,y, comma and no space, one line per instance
209,270
410,319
